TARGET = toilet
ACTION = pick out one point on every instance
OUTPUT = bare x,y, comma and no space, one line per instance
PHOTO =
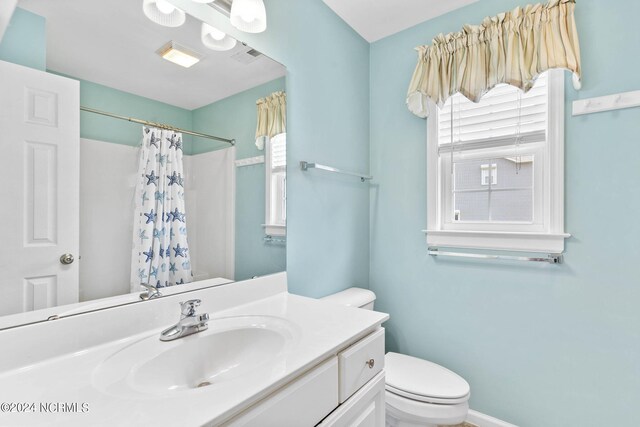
418,392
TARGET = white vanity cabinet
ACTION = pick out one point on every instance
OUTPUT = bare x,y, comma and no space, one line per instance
364,409
345,390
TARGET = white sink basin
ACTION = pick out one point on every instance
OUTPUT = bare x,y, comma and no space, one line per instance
232,348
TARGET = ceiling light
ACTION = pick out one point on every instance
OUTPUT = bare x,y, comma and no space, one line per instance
215,39
178,54
165,7
249,15
164,13
203,1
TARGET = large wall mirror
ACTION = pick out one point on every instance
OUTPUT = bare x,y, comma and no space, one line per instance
181,196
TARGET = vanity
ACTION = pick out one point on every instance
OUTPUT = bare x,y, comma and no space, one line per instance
267,358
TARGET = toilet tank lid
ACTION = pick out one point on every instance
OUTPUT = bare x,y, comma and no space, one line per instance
352,297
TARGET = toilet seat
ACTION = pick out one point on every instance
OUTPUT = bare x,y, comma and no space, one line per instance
423,381
426,399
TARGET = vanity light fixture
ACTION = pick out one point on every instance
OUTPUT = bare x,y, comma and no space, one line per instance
164,13
249,16
215,39
179,54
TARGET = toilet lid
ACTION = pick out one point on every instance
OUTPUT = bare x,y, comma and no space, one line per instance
422,380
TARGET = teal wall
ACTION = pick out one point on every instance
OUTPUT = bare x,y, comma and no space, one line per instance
235,117
328,122
24,41
540,345
94,126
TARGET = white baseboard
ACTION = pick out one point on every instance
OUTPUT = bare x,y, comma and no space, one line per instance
482,420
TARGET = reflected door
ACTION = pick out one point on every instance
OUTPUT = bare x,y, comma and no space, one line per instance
39,142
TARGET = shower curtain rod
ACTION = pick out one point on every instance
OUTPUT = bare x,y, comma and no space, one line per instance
158,125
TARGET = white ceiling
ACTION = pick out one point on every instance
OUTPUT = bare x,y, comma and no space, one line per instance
376,19
112,43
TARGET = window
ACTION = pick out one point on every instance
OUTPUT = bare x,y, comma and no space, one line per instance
516,134
276,186
489,174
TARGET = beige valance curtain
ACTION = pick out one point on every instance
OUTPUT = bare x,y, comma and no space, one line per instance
513,47
272,117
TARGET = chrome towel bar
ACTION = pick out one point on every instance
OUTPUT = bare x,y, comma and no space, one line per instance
308,165
549,258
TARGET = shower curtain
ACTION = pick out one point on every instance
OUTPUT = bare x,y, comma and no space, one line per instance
160,255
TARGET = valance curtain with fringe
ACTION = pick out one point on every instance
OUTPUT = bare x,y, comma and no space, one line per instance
272,117
512,47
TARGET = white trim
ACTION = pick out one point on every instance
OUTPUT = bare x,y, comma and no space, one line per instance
249,161
482,420
546,232
275,230
231,220
433,165
555,159
267,190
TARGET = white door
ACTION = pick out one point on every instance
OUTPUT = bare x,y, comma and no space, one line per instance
39,189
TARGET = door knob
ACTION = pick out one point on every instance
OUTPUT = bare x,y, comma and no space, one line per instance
66,259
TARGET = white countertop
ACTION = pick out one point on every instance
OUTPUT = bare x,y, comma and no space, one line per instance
27,317
322,329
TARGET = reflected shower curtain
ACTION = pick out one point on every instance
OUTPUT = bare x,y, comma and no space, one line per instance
160,255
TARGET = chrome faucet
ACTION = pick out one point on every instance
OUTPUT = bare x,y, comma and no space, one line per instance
151,292
189,322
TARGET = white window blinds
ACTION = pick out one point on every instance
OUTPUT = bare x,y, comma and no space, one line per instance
502,114
279,152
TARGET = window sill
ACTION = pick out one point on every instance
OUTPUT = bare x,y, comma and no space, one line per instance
498,240
275,229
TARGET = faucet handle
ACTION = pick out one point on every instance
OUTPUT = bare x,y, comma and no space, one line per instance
188,308
151,292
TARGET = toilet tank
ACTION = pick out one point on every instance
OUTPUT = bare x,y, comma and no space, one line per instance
353,297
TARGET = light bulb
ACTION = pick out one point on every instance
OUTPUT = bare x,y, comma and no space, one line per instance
248,15
165,7
215,33
215,39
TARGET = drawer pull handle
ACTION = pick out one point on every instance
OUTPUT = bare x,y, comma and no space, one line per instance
370,363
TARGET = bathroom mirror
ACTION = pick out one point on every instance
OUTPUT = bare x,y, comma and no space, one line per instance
178,203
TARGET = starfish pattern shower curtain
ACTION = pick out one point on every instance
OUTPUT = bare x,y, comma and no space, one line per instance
160,255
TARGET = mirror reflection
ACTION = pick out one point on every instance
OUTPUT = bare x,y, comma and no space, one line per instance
144,158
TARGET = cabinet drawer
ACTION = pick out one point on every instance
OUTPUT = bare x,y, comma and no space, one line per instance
360,362
304,402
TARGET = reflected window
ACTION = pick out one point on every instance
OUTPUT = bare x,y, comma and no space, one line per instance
276,190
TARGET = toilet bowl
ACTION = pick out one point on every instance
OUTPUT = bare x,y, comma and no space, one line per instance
418,392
